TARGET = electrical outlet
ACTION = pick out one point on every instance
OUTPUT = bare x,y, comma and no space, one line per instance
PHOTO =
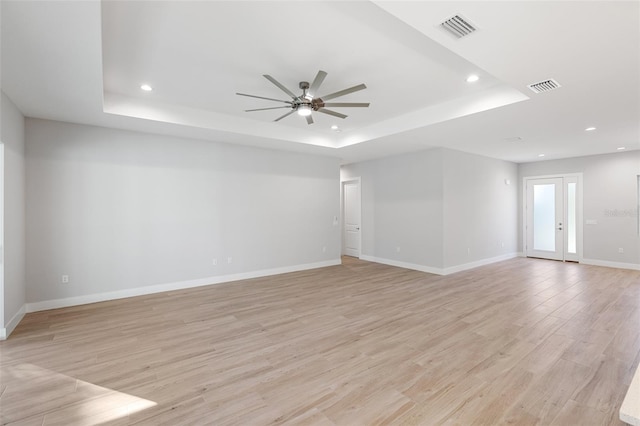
229,260
214,262
324,249
620,250
397,249
65,279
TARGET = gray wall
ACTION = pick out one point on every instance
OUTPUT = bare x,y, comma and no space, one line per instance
401,207
13,138
610,183
117,210
443,208
479,208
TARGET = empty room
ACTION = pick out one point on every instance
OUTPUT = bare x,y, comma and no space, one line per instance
319,212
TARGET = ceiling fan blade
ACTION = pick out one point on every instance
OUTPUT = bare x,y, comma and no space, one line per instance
343,92
335,114
286,115
309,119
264,109
262,97
347,104
280,86
316,83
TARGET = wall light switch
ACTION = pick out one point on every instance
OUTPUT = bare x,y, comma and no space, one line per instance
65,279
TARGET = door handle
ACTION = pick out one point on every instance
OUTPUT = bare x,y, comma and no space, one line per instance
357,228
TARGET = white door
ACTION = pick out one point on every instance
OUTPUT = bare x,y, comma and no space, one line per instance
552,218
545,237
351,218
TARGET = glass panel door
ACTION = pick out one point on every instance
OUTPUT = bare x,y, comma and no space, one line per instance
571,213
553,218
545,212
544,217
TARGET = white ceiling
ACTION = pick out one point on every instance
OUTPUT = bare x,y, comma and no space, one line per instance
84,62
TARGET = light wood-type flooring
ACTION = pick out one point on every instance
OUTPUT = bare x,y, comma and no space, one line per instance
524,341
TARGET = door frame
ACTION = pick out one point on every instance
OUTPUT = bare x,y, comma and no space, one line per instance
2,178
358,181
579,212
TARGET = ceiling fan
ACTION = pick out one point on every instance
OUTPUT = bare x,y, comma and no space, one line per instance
308,101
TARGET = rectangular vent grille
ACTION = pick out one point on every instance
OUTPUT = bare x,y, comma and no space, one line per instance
458,26
544,86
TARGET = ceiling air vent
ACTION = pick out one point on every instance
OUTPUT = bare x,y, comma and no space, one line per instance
458,26
544,86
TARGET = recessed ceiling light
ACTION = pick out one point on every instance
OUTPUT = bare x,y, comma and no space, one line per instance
334,127
622,148
146,88
472,78
589,129
540,155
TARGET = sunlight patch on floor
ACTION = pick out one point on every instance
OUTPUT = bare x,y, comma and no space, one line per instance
62,399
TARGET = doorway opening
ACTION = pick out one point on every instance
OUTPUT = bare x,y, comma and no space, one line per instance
553,217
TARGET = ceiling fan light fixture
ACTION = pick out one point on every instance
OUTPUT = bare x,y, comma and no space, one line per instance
304,110
308,102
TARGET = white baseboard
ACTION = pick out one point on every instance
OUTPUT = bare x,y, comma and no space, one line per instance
406,265
13,323
181,285
439,271
609,264
478,263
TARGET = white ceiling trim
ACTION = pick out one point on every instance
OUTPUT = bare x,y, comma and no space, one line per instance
199,118
192,117
494,97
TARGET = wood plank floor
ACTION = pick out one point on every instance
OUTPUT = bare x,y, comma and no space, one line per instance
522,342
